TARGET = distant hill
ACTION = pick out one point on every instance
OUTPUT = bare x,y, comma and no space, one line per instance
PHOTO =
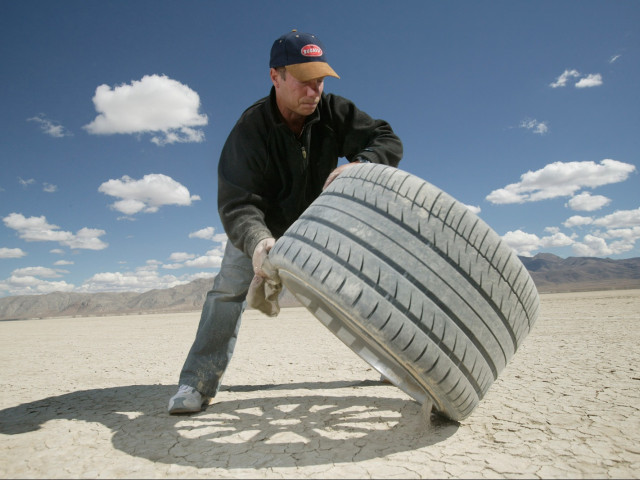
180,298
549,272
553,274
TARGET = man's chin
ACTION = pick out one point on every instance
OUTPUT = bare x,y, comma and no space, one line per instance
308,108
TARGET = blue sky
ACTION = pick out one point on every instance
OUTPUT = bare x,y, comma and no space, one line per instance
114,114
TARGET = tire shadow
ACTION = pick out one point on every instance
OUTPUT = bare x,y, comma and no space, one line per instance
247,426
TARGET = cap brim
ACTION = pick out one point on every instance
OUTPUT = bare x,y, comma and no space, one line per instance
303,72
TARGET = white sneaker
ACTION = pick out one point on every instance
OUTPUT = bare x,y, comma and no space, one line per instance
187,400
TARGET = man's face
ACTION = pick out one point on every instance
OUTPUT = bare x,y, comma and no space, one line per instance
295,97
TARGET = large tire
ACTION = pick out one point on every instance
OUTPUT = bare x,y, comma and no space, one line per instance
412,281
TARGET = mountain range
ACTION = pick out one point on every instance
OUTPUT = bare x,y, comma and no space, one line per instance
551,274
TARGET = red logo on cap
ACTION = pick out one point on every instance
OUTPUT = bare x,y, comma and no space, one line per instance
311,50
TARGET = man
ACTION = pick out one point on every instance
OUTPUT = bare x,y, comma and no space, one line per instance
277,159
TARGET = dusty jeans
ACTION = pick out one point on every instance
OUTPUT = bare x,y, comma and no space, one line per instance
219,324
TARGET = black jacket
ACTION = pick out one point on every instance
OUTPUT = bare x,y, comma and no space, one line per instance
267,176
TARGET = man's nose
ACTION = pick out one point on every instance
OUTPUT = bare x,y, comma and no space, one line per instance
313,87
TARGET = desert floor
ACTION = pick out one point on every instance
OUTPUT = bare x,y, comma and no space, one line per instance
87,398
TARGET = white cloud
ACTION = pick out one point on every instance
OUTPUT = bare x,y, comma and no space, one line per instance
526,244
37,229
143,279
620,219
588,203
622,226
147,194
12,253
50,128
88,239
562,80
26,183
28,285
596,246
49,188
172,266
627,238
561,179
592,246
181,256
591,80
205,261
156,103
208,233
212,259
183,135
614,58
577,221
204,233
535,126
474,208
63,262
35,280
43,272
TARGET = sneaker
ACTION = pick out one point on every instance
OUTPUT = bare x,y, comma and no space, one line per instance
187,400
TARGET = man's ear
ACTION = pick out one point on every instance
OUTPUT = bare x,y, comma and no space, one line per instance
275,77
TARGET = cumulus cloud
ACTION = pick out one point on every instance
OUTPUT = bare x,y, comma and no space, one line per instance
49,188
35,280
37,229
181,256
44,272
588,203
63,262
474,208
561,179
11,253
610,234
590,80
28,285
147,194
142,279
155,104
212,259
209,233
577,221
562,80
596,244
27,182
46,187
525,244
535,126
620,219
592,246
50,128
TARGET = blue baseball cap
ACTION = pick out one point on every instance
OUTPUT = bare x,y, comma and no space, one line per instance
303,56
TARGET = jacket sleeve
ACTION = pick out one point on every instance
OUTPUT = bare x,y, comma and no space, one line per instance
361,136
241,200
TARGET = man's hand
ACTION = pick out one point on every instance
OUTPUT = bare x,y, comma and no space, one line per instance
260,255
333,175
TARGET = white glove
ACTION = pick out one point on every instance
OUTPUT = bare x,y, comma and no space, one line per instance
260,254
